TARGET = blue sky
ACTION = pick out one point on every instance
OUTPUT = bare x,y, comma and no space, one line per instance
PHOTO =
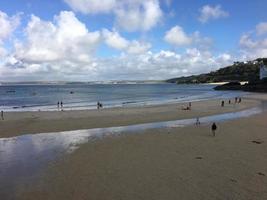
126,39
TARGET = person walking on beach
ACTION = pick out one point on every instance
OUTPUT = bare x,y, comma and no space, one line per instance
2,115
239,101
236,100
61,104
213,128
229,101
58,105
222,104
197,121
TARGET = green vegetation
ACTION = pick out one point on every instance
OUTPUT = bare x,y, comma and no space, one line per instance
239,71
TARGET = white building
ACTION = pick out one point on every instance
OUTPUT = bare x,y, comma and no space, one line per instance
263,71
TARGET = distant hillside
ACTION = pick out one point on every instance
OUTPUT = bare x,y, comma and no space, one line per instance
239,71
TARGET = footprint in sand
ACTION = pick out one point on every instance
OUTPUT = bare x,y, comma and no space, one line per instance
198,157
261,174
256,142
233,180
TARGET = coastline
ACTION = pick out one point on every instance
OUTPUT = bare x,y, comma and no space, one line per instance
19,123
222,83
176,163
159,163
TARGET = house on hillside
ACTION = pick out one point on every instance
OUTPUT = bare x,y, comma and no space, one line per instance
263,71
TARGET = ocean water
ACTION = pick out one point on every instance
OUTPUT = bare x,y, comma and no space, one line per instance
85,96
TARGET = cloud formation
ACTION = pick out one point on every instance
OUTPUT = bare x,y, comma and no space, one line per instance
176,36
51,50
254,43
7,26
261,28
92,6
209,12
115,40
55,41
130,15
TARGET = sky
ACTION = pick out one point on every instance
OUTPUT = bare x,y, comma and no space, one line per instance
93,40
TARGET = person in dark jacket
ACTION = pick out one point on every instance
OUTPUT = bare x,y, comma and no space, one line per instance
213,128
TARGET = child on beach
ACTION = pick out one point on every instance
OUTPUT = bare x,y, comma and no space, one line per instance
213,128
2,114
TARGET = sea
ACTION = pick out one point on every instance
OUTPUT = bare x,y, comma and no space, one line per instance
44,97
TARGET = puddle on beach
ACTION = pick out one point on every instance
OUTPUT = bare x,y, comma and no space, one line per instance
24,156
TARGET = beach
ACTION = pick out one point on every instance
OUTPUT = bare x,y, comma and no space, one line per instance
175,163
164,163
17,123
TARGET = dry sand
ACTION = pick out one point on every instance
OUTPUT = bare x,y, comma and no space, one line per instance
19,123
178,163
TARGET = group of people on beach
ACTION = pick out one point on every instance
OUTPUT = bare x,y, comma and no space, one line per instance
237,100
60,104
214,126
99,105
187,107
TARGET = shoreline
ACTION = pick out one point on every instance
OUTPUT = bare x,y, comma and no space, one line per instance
122,105
187,163
19,123
159,163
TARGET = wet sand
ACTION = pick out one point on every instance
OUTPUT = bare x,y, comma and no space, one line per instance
168,163
175,163
19,123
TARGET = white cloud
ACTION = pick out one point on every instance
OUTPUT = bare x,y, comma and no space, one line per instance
2,52
116,41
130,15
7,26
162,65
261,28
92,6
138,15
54,42
209,12
137,47
178,37
54,51
158,65
253,48
254,43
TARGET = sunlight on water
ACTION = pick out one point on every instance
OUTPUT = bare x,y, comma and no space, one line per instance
24,155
